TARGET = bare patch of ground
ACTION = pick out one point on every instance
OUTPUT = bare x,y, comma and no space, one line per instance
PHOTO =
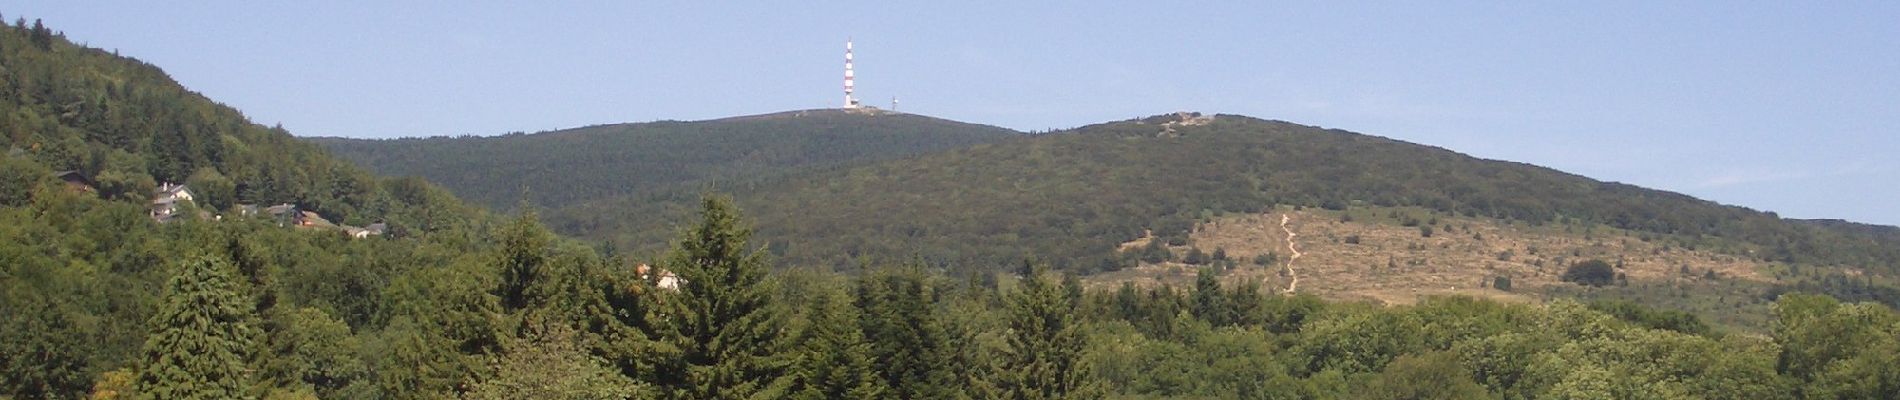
1367,254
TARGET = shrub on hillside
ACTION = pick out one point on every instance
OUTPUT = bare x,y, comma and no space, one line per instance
1591,272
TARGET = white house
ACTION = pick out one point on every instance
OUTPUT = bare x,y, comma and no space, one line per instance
165,201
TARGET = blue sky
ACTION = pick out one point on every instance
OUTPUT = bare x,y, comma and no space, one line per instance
1783,106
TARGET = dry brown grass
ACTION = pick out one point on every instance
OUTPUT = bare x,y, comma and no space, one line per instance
1395,264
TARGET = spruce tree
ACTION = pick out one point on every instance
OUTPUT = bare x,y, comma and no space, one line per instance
202,337
523,261
910,344
1210,303
1043,360
722,335
834,360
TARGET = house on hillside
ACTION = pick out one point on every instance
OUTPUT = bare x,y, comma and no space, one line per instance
284,214
310,219
166,200
375,229
77,181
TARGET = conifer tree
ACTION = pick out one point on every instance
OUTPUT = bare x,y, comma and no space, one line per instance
834,360
523,260
722,335
910,346
1043,360
1210,303
552,365
201,338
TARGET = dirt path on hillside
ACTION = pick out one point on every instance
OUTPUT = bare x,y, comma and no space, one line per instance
1294,284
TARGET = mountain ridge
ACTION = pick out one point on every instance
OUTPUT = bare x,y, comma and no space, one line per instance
1331,168
1393,172
640,158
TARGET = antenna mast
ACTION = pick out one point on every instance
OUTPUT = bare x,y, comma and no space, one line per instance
849,102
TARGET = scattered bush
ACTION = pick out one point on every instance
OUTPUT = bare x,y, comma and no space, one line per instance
1195,257
1591,272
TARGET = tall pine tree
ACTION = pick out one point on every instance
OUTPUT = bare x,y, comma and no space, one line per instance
202,337
722,336
910,344
1210,304
1044,354
834,360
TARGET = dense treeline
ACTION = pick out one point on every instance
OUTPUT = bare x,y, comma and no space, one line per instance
576,166
249,309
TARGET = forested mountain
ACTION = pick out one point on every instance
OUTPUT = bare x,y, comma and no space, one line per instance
566,167
98,292
129,127
102,301
1073,195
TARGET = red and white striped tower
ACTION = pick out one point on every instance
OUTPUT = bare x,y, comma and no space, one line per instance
849,102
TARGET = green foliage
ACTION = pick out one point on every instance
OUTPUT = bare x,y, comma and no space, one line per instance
1207,363
723,337
523,262
1838,350
1209,303
1357,342
1155,252
202,337
1652,318
310,350
552,365
912,350
1434,375
40,353
1590,273
212,189
1195,257
1044,357
834,361
18,179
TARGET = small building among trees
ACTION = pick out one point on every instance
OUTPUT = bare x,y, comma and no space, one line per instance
77,181
165,202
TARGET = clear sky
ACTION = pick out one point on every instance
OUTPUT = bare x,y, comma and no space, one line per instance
1791,107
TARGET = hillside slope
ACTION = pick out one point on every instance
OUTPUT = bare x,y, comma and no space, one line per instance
566,167
128,126
1070,197
87,271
